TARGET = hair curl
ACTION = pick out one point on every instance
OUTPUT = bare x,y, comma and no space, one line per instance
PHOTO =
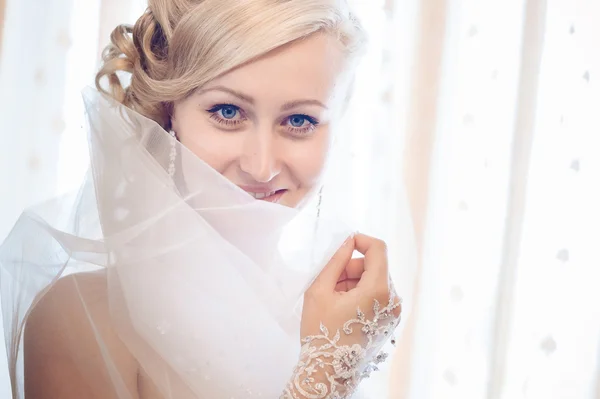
177,46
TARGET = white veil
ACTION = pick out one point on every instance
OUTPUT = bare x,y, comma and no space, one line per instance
201,283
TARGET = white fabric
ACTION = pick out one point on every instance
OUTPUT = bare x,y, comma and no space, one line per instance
47,154
204,282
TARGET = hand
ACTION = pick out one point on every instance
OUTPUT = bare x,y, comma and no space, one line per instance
347,284
349,312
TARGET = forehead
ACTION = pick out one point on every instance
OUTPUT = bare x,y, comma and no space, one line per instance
311,68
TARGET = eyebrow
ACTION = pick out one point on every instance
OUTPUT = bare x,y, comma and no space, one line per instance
285,107
293,104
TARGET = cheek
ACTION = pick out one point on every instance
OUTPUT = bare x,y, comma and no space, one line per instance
196,132
308,164
215,148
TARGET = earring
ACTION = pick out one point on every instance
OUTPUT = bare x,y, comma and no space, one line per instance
172,154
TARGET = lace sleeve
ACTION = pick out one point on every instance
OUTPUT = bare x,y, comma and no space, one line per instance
329,369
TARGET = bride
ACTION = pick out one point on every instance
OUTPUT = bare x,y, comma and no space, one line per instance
189,264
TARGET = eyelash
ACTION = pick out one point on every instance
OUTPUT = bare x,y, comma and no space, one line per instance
299,131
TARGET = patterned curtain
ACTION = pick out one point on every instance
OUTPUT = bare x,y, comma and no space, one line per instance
49,52
502,173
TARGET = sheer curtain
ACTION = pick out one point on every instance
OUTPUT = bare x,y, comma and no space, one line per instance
49,52
503,177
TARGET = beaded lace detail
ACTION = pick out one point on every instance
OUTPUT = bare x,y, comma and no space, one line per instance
328,369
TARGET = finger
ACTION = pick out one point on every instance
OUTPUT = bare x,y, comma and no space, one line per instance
351,275
341,286
332,271
343,276
375,261
346,285
355,268
351,284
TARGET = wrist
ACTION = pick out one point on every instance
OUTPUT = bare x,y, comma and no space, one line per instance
333,366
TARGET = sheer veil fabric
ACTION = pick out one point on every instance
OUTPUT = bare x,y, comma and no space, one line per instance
201,283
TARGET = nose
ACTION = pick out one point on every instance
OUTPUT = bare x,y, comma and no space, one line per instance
259,157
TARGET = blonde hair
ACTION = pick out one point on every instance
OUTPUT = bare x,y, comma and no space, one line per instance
177,46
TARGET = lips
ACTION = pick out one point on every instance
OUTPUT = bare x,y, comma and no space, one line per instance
264,192
262,195
269,196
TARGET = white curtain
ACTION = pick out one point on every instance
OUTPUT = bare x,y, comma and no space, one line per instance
508,304
49,52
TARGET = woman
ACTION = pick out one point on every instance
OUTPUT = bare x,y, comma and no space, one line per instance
175,278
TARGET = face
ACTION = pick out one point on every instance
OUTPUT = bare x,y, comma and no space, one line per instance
266,125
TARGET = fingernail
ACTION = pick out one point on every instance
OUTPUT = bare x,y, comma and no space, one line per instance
347,241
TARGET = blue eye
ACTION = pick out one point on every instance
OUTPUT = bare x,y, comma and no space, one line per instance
297,120
300,125
228,115
228,111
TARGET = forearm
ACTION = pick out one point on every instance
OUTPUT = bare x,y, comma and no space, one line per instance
333,367
325,372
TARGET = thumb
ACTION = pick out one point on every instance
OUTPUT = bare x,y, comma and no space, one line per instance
376,262
330,274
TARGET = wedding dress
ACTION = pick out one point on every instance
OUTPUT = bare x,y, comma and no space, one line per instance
202,283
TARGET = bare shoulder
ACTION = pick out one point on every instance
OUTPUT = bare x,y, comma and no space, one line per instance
62,355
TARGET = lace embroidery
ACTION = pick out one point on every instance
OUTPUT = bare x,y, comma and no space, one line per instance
330,370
